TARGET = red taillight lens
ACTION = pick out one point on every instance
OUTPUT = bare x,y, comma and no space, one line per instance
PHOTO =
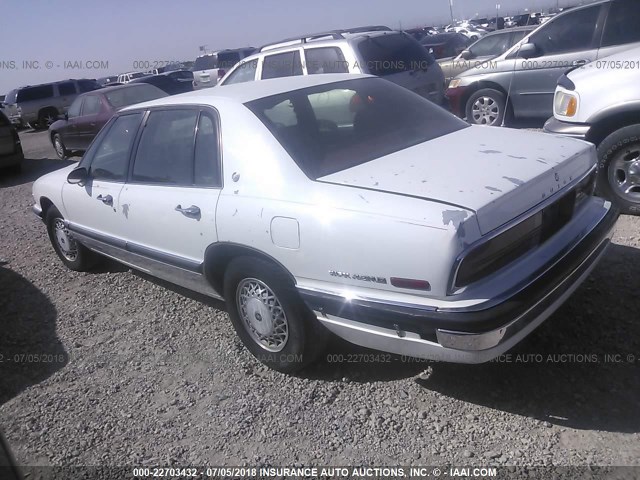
410,283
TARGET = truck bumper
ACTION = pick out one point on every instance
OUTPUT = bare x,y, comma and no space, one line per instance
574,130
464,335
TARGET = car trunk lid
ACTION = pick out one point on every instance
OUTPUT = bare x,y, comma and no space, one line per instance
496,172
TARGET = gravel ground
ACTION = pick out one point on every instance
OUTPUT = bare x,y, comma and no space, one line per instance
145,375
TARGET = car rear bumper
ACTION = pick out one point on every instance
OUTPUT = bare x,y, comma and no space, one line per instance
464,335
567,129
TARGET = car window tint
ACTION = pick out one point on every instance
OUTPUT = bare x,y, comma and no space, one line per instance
325,60
207,160
282,65
227,60
35,93
91,105
111,157
519,35
74,109
245,72
570,32
165,152
392,53
88,85
622,23
67,88
491,45
329,128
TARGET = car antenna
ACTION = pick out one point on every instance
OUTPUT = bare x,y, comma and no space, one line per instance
513,74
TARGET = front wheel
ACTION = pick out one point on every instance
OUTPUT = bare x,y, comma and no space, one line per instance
269,317
619,169
486,107
74,255
59,147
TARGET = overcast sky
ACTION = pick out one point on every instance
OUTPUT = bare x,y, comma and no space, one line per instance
47,40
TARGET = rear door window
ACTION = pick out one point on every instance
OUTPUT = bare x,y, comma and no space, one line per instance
623,23
282,65
572,31
66,88
166,150
91,105
392,53
74,109
325,60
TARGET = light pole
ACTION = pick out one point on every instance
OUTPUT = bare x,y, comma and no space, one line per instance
451,9
497,15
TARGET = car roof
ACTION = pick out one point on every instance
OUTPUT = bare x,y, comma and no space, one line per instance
116,87
248,91
333,37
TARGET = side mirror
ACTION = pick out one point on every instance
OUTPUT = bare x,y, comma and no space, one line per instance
466,55
528,50
78,176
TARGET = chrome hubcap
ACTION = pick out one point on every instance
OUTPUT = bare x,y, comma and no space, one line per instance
262,314
624,173
67,245
59,149
485,111
49,119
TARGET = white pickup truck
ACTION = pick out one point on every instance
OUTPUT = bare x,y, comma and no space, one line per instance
600,103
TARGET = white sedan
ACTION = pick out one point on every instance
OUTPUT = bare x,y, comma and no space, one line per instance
339,203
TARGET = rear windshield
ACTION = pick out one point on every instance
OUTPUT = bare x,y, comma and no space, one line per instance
208,62
137,93
333,127
395,53
226,60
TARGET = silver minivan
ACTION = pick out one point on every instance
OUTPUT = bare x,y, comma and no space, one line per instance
521,82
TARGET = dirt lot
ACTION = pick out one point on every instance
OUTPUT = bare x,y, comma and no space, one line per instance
138,374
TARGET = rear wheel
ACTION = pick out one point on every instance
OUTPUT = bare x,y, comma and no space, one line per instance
46,118
619,169
74,255
269,317
486,107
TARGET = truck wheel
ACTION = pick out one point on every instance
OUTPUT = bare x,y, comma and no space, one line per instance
269,317
619,169
46,118
75,256
486,107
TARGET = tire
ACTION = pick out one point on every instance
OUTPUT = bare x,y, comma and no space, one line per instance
58,146
619,169
486,107
248,282
73,255
46,117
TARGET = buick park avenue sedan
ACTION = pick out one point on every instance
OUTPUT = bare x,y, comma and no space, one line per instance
337,203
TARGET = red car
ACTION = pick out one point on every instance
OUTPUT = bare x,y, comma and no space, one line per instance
91,111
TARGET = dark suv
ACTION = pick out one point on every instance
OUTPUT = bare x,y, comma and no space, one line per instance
40,105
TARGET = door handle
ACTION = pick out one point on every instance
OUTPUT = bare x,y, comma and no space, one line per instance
579,63
192,211
108,200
